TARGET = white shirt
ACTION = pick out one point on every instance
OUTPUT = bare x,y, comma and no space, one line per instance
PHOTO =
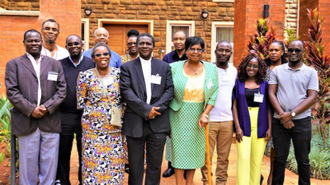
146,69
36,66
59,54
222,108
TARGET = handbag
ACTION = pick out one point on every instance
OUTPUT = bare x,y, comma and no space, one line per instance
115,112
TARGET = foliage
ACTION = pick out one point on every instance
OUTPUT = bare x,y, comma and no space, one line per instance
319,158
260,41
290,36
321,62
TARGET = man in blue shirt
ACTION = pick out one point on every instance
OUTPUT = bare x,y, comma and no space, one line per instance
179,38
101,35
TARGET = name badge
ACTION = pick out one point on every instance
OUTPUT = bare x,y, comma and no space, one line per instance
155,79
258,97
52,76
209,85
226,78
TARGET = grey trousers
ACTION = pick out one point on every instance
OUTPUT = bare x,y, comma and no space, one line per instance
38,155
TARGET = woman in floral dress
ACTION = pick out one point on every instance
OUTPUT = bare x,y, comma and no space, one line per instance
102,150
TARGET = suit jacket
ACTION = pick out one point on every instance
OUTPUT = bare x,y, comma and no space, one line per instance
133,91
211,84
22,91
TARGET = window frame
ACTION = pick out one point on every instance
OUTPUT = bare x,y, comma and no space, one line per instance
216,25
169,34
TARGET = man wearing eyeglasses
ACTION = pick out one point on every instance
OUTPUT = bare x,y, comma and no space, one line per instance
101,35
70,116
292,90
50,31
36,87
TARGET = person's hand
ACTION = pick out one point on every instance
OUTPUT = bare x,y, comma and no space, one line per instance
36,113
285,117
153,113
268,135
239,134
43,109
289,124
203,121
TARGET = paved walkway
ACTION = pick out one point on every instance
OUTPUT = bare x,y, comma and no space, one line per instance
290,179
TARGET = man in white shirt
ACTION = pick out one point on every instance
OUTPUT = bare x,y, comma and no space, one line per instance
50,31
221,118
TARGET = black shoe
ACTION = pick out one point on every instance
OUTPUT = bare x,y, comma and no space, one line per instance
261,179
168,173
126,168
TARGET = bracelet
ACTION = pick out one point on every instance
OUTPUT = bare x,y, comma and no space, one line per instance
207,116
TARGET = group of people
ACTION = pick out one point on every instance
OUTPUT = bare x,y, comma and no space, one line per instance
59,94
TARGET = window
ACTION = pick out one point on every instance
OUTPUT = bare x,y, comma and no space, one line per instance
85,33
222,31
173,26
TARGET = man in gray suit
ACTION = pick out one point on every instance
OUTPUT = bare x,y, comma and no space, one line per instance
147,88
35,86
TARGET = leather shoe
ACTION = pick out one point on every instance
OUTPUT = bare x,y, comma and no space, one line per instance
168,173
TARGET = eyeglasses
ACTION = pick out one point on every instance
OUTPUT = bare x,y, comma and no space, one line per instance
100,54
131,43
252,66
48,29
194,50
272,50
297,51
74,43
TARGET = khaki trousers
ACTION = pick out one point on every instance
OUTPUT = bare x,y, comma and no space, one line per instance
220,135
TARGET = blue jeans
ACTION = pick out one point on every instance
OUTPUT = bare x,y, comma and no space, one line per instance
301,135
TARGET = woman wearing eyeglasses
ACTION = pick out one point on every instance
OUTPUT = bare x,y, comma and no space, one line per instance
195,91
102,152
132,51
252,119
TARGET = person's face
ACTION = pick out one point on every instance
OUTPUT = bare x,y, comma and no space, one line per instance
223,52
50,32
295,51
131,45
101,36
33,43
194,53
252,67
145,47
275,52
74,46
179,39
101,57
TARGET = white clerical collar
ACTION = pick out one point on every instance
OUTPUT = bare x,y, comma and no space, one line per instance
145,61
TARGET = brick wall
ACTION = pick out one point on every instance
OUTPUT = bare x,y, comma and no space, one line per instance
22,5
67,13
303,18
247,11
324,6
160,11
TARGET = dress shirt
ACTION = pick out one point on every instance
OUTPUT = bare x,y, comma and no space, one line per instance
146,68
36,66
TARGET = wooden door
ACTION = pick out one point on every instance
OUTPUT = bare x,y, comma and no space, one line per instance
118,35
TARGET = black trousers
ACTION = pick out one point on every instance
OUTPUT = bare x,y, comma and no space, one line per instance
71,124
301,135
155,147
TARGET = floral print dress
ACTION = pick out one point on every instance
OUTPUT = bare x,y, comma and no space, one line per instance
102,150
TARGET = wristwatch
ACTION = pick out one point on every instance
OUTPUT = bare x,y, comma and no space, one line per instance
293,114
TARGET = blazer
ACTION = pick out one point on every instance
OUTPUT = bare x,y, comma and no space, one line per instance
211,84
243,111
22,87
134,94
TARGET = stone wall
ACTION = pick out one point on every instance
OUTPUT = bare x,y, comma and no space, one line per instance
291,14
21,5
160,11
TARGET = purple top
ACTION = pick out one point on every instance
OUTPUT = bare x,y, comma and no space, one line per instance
174,57
243,112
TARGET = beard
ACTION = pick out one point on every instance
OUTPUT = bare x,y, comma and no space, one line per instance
51,41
